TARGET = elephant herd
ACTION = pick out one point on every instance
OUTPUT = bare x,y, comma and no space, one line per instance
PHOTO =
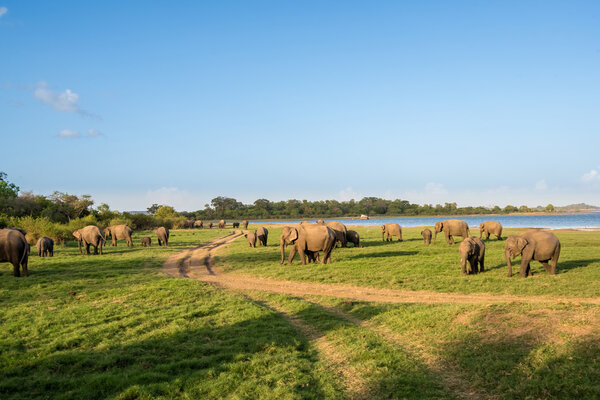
190,223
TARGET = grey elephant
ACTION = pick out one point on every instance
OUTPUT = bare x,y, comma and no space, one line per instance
451,227
235,225
353,237
245,224
340,231
162,235
472,250
262,235
251,237
199,224
45,247
490,227
210,225
146,241
307,238
533,245
188,223
388,231
15,250
222,224
426,233
89,236
119,232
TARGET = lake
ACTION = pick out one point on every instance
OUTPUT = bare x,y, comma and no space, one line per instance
550,221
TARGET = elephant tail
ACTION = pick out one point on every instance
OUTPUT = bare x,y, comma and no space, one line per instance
26,250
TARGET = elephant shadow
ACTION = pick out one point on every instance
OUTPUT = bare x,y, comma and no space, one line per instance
385,254
536,265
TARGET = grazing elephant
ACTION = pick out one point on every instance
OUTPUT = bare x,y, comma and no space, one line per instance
353,237
199,224
146,241
426,233
533,245
245,224
307,238
451,227
162,235
471,249
89,236
338,228
222,224
119,232
188,223
490,227
235,225
45,247
210,225
251,237
15,250
262,234
390,230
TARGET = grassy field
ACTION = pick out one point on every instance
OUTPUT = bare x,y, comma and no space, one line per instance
114,326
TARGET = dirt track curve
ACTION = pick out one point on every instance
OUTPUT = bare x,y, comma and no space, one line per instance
197,263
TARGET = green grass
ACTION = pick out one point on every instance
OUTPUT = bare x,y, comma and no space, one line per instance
114,326
412,265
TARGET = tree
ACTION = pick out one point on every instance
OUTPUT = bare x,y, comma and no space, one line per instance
165,212
8,193
71,206
550,208
153,209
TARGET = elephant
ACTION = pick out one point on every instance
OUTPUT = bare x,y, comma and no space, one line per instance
307,238
245,224
262,234
390,230
15,250
490,227
541,246
235,225
472,249
119,232
45,247
251,237
89,236
426,233
210,225
199,224
339,229
188,223
222,224
162,234
353,237
146,241
451,227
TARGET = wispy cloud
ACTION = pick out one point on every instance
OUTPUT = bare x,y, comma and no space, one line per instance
94,133
61,101
68,134
590,177
3,11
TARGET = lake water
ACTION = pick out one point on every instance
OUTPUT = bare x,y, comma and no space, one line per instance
550,221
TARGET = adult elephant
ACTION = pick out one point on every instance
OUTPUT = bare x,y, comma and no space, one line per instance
251,237
89,236
490,227
45,247
188,223
15,250
262,235
307,238
353,237
245,224
338,229
533,245
390,230
162,235
119,232
472,250
451,227
199,224
222,224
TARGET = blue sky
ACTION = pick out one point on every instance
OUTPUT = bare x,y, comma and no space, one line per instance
134,103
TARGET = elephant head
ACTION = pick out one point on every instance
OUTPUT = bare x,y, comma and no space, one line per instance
289,235
439,226
514,247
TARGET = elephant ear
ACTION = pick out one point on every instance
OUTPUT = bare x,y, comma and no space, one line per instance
521,243
293,236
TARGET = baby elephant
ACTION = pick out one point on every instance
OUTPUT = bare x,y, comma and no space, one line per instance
262,234
353,237
236,225
146,241
426,233
471,249
251,237
45,247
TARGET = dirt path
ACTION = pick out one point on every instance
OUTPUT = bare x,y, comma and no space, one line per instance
197,264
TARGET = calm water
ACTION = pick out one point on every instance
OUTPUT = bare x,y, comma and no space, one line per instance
554,221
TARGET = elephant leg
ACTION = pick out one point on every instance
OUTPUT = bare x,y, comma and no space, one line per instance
100,245
481,268
292,255
546,266
16,271
447,238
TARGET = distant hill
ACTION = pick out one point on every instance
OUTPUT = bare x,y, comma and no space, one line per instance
577,207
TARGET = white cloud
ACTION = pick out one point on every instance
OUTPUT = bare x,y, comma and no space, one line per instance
64,101
436,189
3,11
94,133
67,133
541,185
592,176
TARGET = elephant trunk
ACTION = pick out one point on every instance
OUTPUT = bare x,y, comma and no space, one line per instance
435,235
508,264
282,247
